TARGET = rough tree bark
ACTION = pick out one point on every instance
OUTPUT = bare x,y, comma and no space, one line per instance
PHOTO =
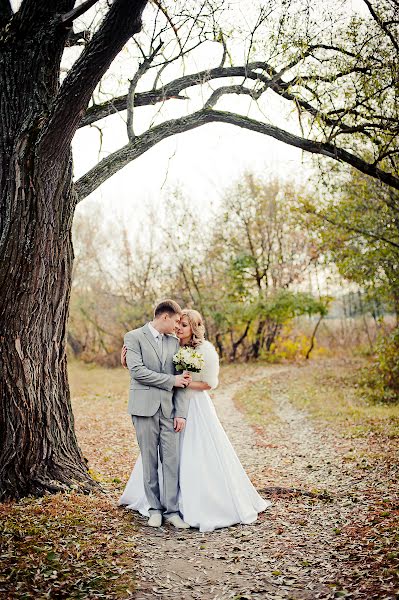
39,451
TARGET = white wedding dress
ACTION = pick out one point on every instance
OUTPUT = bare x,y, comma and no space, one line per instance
215,491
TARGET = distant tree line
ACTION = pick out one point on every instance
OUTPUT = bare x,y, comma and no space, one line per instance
242,269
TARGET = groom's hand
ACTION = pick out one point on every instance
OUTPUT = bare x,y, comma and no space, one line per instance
182,381
179,424
123,357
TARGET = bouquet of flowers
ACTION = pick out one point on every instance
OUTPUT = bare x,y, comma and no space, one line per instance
187,359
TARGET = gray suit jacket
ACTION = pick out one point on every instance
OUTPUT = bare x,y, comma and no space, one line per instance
151,380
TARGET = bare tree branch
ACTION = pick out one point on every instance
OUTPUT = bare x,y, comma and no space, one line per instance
222,40
171,90
143,68
333,48
100,111
233,89
117,160
381,23
310,93
73,14
163,10
121,22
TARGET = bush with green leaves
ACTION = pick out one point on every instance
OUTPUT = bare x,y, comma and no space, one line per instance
382,379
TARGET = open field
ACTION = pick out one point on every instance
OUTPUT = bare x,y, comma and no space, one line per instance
363,438
328,391
309,441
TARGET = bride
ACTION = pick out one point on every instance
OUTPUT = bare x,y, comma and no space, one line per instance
215,491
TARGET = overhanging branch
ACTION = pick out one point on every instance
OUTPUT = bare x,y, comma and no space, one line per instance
256,71
143,68
119,159
100,111
121,22
382,24
69,17
171,90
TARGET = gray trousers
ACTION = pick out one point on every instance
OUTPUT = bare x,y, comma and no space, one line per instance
153,433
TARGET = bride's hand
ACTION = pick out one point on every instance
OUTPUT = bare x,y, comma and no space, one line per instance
179,423
187,376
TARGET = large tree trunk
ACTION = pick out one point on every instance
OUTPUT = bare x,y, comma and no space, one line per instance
38,451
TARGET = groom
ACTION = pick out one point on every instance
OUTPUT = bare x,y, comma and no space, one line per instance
158,415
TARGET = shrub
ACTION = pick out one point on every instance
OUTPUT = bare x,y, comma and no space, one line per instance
383,377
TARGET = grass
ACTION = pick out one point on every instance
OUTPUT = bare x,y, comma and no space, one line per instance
255,401
104,429
65,546
365,435
231,373
75,546
91,381
329,390
70,546
331,393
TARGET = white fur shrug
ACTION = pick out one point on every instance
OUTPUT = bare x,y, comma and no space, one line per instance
210,371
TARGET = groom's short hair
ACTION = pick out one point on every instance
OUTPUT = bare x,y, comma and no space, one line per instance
167,306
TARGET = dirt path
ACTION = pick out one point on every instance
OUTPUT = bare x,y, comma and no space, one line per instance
292,551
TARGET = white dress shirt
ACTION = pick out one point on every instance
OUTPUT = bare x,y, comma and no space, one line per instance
157,334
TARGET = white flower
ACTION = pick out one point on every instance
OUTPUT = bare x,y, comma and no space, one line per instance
187,359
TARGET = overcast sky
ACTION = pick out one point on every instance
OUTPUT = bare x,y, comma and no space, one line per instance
203,161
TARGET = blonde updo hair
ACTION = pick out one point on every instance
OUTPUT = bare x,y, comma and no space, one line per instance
197,326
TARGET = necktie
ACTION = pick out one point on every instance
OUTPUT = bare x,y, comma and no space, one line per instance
160,344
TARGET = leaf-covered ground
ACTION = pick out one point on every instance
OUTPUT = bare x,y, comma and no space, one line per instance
364,439
310,443
71,546
66,546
